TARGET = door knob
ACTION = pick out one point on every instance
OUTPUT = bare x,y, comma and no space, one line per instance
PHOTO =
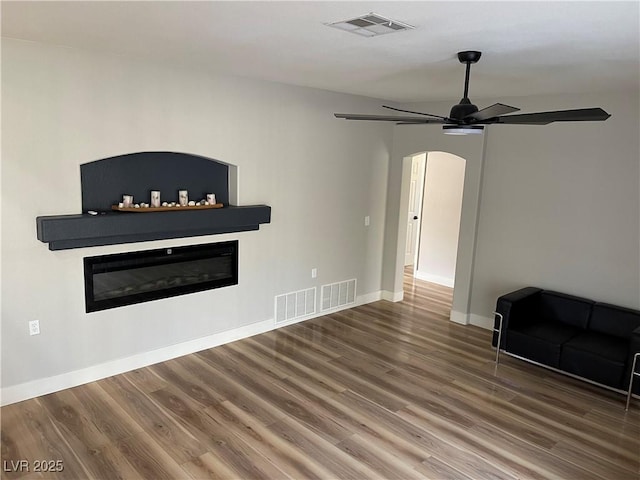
415,217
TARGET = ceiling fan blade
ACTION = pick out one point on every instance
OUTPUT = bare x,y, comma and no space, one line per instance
544,118
387,118
416,113
494,110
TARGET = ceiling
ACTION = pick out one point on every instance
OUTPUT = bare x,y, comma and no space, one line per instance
529,48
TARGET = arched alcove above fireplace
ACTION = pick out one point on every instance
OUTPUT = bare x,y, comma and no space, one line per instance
137,174
104,182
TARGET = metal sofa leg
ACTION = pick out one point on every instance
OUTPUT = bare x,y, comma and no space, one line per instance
631,377
499,331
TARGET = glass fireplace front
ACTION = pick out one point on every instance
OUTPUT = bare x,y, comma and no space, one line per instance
126,278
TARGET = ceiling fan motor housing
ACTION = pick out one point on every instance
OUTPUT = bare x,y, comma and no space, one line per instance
464,108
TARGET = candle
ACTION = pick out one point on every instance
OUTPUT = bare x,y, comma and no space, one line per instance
155,198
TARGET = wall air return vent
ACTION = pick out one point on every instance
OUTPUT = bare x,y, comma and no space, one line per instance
371,25
295,305
338,295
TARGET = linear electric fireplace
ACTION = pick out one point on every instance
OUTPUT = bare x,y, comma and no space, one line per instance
123,279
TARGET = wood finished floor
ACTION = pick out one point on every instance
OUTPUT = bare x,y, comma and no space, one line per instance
385,390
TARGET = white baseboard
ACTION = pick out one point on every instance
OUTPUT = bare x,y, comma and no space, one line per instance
471,319
428,277
369,298
392,296
480,321
44,386
459,317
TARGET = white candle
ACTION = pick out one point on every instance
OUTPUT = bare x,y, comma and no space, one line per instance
155,198
183,197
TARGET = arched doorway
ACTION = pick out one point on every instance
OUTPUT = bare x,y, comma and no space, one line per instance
407,144
433,216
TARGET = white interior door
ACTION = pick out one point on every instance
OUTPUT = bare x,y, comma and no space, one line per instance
415,207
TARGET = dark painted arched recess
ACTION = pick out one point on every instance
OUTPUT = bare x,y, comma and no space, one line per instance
105,181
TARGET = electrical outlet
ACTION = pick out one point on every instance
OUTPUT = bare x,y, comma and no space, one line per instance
314,272
367,221
34,327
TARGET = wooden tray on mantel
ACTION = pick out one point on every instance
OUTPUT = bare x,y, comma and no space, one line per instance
164,209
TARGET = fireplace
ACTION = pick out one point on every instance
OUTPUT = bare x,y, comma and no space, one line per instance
112,281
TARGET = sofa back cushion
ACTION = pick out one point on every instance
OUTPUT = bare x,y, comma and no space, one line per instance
614,320
560,307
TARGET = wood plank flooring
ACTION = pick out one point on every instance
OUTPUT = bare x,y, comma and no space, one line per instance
381,391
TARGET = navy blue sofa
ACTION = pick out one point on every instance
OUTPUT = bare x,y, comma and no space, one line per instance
592,340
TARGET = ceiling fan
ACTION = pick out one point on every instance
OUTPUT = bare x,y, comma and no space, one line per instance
465,118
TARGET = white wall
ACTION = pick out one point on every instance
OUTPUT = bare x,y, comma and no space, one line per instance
559,205
440,225
63,107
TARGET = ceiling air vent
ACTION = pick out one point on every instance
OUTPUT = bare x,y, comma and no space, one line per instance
371,25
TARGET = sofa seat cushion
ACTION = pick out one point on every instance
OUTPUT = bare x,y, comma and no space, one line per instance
541,342
596,356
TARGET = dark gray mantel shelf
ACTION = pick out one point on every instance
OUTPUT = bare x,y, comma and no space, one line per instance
75,231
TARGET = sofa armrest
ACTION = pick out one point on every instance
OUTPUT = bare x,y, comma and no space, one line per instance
516,308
